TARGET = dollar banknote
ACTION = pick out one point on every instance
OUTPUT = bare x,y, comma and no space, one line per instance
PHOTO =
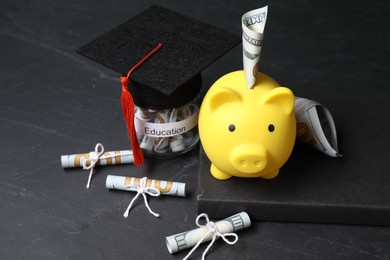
190,238
107,158
253,24
131,183
315,126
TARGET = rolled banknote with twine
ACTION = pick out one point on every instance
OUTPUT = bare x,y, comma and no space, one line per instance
107,158
129,183
98,157
253,23
315,126
191,238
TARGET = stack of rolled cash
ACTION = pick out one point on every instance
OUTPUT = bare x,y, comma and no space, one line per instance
167,132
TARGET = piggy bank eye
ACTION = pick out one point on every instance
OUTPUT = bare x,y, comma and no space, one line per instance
271,128
232,127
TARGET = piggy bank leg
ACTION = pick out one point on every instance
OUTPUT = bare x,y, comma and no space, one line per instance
271,175
218,174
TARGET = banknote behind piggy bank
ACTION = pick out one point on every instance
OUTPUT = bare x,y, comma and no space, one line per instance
247,132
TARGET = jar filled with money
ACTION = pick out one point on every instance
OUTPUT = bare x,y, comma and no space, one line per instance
167,132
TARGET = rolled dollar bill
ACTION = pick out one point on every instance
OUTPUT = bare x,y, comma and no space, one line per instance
147,143
253,23
176,142
108,158
315,126
161,144
145,115
189,239
130,184
184,113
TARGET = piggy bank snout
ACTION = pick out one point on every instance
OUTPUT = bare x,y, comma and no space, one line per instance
249,158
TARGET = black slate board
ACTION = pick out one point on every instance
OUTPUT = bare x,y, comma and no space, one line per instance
312,187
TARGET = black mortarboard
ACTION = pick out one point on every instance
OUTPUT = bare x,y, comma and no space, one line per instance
171,77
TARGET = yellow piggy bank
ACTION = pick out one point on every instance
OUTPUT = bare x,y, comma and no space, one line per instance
247,132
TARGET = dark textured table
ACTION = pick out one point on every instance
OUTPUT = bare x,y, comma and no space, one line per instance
55,102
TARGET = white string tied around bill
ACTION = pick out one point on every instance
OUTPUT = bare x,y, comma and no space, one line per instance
93,159
213,230
143,190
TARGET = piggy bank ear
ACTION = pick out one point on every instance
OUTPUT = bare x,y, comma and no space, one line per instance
280,96
222,95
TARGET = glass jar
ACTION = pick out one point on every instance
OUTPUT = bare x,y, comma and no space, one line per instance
166,133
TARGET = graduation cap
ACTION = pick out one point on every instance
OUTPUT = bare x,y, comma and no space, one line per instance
165,52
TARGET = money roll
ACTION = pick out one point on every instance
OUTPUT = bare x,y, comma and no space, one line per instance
190,238
187,112
108,158
176,143
161,144
130,184
144,115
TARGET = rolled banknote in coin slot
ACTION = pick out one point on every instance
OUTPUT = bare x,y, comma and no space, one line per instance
190,238
130,183
253,23
315,126
108,158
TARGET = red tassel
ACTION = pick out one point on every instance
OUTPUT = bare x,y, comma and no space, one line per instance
127,103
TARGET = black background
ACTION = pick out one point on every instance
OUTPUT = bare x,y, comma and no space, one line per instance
55,102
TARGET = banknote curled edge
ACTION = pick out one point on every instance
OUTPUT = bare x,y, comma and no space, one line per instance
315,126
